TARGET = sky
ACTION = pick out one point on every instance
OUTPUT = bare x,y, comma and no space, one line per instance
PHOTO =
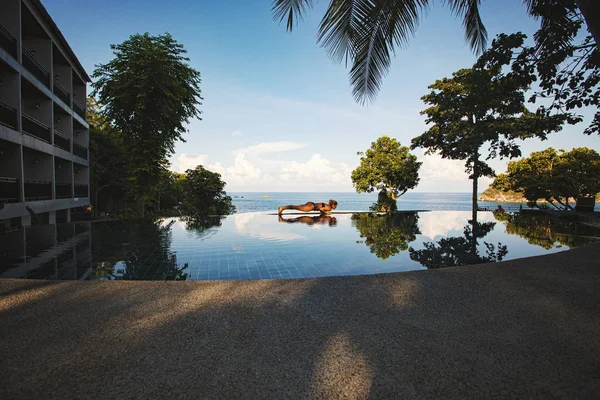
277,114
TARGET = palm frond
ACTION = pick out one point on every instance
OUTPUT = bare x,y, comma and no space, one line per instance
475,32
385,25
338,27
560,22
292,10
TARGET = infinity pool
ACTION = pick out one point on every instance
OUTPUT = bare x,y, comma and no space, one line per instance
264,246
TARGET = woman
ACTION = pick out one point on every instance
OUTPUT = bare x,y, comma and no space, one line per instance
323,208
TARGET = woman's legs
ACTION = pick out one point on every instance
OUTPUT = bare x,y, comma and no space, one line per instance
310,206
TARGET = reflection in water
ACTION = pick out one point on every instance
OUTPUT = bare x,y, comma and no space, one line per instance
310,220
202,227
387,235
51,251
145,253
546,232
253,225
461,250
256,246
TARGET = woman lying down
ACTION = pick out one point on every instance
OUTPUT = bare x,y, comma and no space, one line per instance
323,208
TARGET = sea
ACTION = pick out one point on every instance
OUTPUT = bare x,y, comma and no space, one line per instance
348,201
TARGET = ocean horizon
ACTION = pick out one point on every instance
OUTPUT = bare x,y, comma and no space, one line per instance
351,201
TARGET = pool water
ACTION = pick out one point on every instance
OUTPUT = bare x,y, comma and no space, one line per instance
259,245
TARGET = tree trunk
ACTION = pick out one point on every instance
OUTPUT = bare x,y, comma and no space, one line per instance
141,204
591,12
474,198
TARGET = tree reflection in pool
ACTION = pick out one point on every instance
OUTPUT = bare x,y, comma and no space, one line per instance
546,232
264,246
460,250
144,238
386,234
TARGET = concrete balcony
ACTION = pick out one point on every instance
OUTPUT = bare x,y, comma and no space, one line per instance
9,190
81,190
64,190
9,116
80,151
8,42
37,69
33,127
61,141
38,190
61,92
79,109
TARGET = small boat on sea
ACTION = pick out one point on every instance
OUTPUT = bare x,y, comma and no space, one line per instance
266,197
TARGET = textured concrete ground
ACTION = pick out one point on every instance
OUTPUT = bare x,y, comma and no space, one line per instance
528,328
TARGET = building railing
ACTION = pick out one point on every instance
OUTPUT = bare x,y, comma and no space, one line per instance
35,67
8,42
80,151
61,92
36,128
9,190
81,190
38,190
79,109
62,141
63,190
8,115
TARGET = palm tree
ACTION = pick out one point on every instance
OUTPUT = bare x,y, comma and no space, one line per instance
367,32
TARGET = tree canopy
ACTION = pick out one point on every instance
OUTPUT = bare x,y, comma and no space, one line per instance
204,194
566,58
483,106
553,176
388,167
148,92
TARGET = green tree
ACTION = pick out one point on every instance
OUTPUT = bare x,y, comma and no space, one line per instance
149,92
107,161
389,168
483,106
566,58
553,176
367,32
455,251
169,192
387,235
204,194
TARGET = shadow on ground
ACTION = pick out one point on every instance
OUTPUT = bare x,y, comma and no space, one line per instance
523,328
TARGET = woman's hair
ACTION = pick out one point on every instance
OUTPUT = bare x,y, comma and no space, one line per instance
333,203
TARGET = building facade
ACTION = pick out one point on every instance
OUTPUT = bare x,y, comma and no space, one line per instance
44,136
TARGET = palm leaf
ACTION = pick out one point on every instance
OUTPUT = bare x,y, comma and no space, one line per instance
384,25
368,31
338,27
292,10
475,32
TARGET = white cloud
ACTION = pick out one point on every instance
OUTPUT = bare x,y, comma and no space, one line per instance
237,133
436,168
272,147
435,225
317,169
186,161
253,171
245,226
242,171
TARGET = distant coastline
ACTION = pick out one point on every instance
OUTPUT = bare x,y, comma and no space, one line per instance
498,196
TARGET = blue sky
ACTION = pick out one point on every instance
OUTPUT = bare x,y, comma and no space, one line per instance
278,115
